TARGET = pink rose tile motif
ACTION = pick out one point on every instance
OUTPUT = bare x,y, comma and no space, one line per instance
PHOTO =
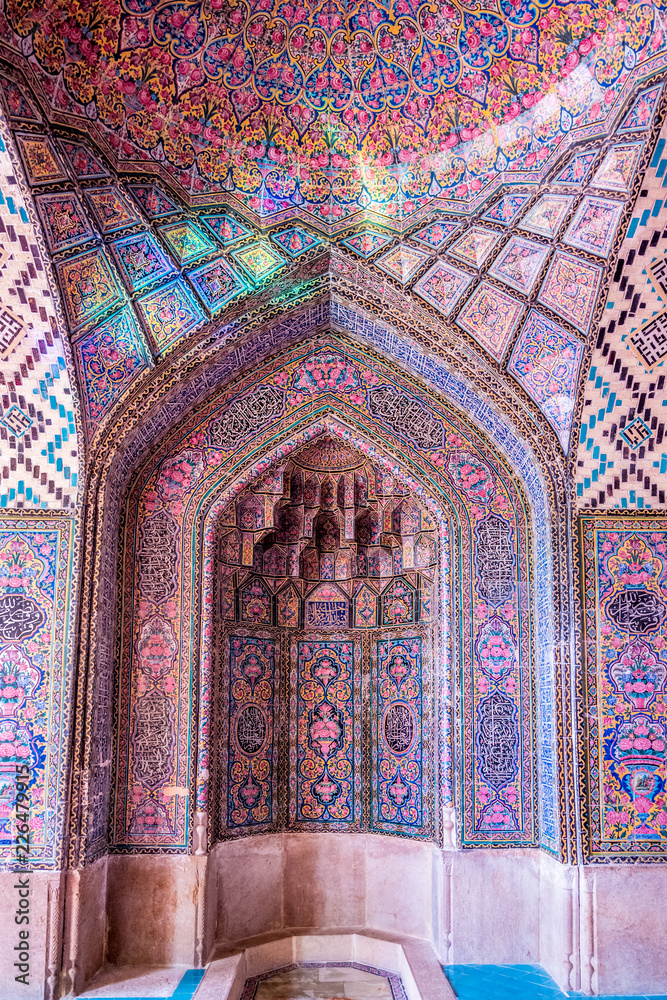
640,116
366,244
571,289
577,169
443,286
437,233
491,317
519,264
618,168
507,209
402,263
474,246
546,361
546,217
594,225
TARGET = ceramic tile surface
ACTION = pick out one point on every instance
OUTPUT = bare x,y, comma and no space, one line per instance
546,217
571,288
474,246
519,264
491,317
443,285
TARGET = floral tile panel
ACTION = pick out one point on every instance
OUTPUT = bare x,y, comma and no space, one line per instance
519,264
402,263
546,217
491,317
570,289
594,226
442,286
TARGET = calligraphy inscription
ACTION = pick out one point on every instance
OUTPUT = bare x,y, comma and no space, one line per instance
637,610
153,738
497,740
158,557
326,614
20,617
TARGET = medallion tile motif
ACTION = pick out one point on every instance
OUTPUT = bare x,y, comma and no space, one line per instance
88,286
617,170
216,283
141,261
594,226
402,263
366,244
40,160
443,286
640,116
18,105
507,209
577,169
437,233
109,356
491,317
111,209
227,229
169,314
570,289
474,246
546,361
83,163
295,241
154,203
519,264
63,220
258,260
546,217
186,241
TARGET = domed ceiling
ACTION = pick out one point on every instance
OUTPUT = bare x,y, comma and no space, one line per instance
337,107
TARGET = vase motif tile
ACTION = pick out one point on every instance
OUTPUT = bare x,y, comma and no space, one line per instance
64,220
186,241
474,246
546,217
618,168
519,264
295,241
577,169
366,244
545,361
506,210
111,209
594,225
443,285
437,233
402,262
570,289
491,317
216,283
141,261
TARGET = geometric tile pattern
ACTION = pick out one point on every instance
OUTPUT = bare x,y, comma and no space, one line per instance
474,246
141,261
519,263
64,221
436,233
491,317
186,241
227,229
88,287
154,202
216,283
295,241
507,209
111,209
402,263
169,314
258,260
617,170
577,169
83,163
640,116
594,226
40,468
570,289
546,361
40,160
610,473
367,243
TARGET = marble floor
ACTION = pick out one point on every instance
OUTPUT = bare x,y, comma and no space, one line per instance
515,982
325,983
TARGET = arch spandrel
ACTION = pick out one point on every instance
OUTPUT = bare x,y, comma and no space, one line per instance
171,442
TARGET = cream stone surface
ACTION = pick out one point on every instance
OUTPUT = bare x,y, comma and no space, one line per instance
130,981
39,934
87,894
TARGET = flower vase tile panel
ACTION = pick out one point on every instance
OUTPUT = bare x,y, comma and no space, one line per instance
186,241
546,361
258,260
570,289
640,116
111,209
141,261
474,246
491,317
169,314
89,288
152,200
519,264
617,171
546,217
578,169
40,160
326,706
83,164
624,563
225,228
17,104
401,728
63,220
366,244
216,283
296,241
507,209
594,226
442,286
402,263
109,357
436,234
